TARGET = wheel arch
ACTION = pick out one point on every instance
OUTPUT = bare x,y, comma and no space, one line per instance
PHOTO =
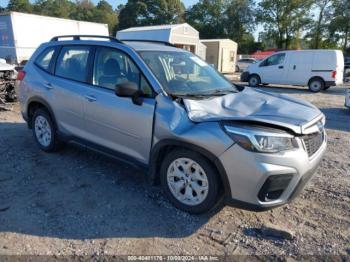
35,103
316,77
159,151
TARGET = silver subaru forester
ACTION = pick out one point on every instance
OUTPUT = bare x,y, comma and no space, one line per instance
202,138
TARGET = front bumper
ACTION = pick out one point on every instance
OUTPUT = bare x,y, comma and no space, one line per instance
251,176
332,83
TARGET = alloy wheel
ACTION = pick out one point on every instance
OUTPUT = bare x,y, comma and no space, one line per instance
42,131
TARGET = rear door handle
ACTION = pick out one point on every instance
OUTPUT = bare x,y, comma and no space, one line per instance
90,98
48,85
281,67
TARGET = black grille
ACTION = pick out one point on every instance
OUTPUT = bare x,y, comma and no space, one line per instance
313,142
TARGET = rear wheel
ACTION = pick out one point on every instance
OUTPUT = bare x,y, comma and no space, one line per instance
189,181
316,85
44,131
254,81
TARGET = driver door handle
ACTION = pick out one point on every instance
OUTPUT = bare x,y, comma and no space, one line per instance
281,67
90,98
48,85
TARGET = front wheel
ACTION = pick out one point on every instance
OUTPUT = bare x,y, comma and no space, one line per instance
189,181
254,81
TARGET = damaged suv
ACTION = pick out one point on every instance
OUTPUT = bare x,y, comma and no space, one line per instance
202,138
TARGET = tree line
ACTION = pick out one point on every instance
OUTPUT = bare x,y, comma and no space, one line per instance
284,24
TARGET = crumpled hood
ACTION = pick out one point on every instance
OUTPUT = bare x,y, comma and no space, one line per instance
254,105
6,67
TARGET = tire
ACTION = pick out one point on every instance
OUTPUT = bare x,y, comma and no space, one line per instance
254,81
316,85
44,131
206,181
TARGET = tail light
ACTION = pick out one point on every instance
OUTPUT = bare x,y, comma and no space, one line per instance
21,74
334,74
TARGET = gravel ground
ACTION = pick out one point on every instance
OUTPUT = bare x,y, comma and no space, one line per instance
77,202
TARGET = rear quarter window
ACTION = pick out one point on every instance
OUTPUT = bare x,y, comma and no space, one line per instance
44,59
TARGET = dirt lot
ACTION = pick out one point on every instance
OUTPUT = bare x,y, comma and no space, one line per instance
78,202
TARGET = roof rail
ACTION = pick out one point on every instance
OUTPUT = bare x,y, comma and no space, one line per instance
77,37
148,41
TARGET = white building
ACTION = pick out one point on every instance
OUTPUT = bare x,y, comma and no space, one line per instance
181,35
222,53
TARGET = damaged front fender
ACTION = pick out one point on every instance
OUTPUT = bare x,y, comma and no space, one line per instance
172,127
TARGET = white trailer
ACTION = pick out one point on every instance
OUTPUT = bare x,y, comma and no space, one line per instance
21,34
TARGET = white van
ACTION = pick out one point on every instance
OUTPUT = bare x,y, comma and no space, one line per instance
317,69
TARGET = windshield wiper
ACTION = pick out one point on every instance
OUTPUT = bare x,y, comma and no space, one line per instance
220,92
188,95
217,92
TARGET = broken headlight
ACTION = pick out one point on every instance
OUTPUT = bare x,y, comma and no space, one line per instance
259,140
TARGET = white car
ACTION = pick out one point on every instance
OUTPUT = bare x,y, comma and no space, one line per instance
242,64
347,98
317,69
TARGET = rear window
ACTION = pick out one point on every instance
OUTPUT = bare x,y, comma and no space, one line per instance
44,59
72,63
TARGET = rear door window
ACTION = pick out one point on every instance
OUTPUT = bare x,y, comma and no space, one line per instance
44,59
72,63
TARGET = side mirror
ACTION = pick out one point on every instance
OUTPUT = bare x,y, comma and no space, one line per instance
129,89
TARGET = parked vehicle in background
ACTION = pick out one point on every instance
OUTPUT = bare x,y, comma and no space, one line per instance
8,75
347,69
198,135
347,62
317,69
242,64
347,98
